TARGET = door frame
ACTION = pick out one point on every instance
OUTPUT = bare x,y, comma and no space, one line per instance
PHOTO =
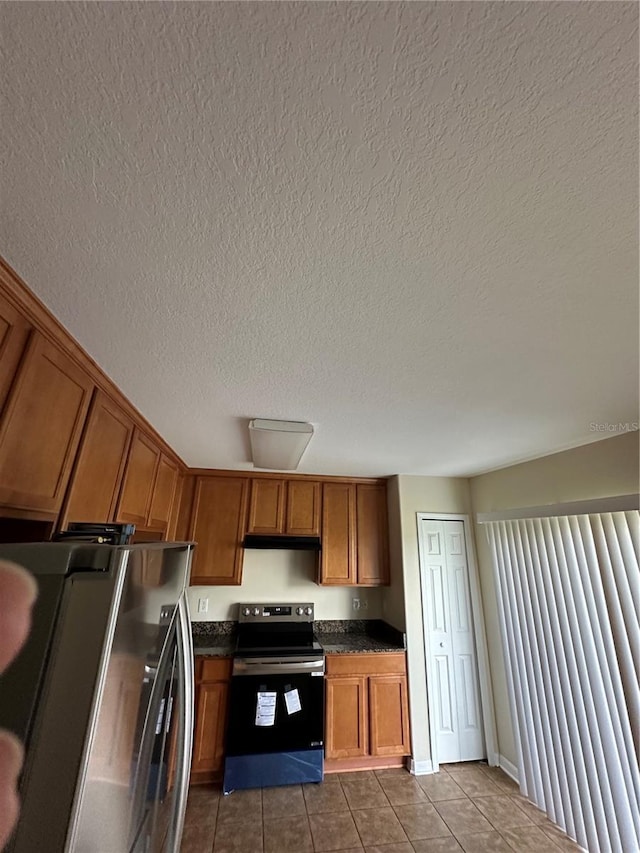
480,636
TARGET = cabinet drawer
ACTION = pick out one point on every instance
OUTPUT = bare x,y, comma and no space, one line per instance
378,663
214,669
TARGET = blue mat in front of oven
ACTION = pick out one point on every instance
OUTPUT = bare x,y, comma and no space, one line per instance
272,769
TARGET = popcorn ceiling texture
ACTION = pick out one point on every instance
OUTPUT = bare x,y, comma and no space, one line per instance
412,224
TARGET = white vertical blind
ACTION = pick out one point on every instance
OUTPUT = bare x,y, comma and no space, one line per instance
568,601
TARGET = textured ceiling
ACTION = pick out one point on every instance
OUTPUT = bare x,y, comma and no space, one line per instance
412,224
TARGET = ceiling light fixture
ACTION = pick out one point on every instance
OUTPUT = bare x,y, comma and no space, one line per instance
278,444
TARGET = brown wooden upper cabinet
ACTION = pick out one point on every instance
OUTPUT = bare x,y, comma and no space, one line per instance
218,522
355,549
137,490
41,426
100,463
14,333
163,493
149,486
338,556
372,534
285,507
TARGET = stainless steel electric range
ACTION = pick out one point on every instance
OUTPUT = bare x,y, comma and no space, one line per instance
275,734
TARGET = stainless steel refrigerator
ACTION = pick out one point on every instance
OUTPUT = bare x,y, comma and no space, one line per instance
102,696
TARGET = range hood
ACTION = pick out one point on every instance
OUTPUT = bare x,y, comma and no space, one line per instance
283,543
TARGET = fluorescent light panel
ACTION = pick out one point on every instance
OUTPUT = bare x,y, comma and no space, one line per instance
278,444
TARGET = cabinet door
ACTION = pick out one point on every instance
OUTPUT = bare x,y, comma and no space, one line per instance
217,526
211,719
372,535
338,557
41,428
139,479
388,715
346,717
303,508
163,494
14,332
97,475
266,507
175,510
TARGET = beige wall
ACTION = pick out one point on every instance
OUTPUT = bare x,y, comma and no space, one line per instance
283,576
602,469
402,602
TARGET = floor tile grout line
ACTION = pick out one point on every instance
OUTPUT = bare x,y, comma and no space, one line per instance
443,818
549,838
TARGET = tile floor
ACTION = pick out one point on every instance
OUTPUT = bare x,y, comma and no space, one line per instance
466,807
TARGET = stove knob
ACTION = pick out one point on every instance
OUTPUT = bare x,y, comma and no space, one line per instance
246,611
309,611
299,611
256,611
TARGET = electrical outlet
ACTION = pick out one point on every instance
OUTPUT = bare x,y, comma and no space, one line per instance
355,603
203,605
364,604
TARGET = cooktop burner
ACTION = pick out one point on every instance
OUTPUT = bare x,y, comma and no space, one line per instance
313,648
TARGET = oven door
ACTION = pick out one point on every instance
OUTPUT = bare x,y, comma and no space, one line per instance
273,712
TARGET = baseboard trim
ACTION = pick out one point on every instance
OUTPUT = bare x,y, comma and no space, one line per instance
346,765
509,768
420,768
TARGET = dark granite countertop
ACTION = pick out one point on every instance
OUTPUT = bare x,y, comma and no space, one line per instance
358,636
336,636
213,639
213,646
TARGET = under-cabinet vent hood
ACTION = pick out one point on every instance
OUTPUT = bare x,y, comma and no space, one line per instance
283,543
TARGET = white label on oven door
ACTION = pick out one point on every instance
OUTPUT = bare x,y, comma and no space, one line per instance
292,701
266,709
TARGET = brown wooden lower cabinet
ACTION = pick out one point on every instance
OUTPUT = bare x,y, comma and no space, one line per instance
367,715
367,718
212,692
346,717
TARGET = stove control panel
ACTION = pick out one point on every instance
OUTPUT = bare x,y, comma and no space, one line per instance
276,612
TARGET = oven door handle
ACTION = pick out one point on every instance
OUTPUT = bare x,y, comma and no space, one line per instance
249,666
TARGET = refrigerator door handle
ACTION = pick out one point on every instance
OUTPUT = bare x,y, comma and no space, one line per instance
140,782
186,690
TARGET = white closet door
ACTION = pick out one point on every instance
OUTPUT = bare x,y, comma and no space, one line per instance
455,700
